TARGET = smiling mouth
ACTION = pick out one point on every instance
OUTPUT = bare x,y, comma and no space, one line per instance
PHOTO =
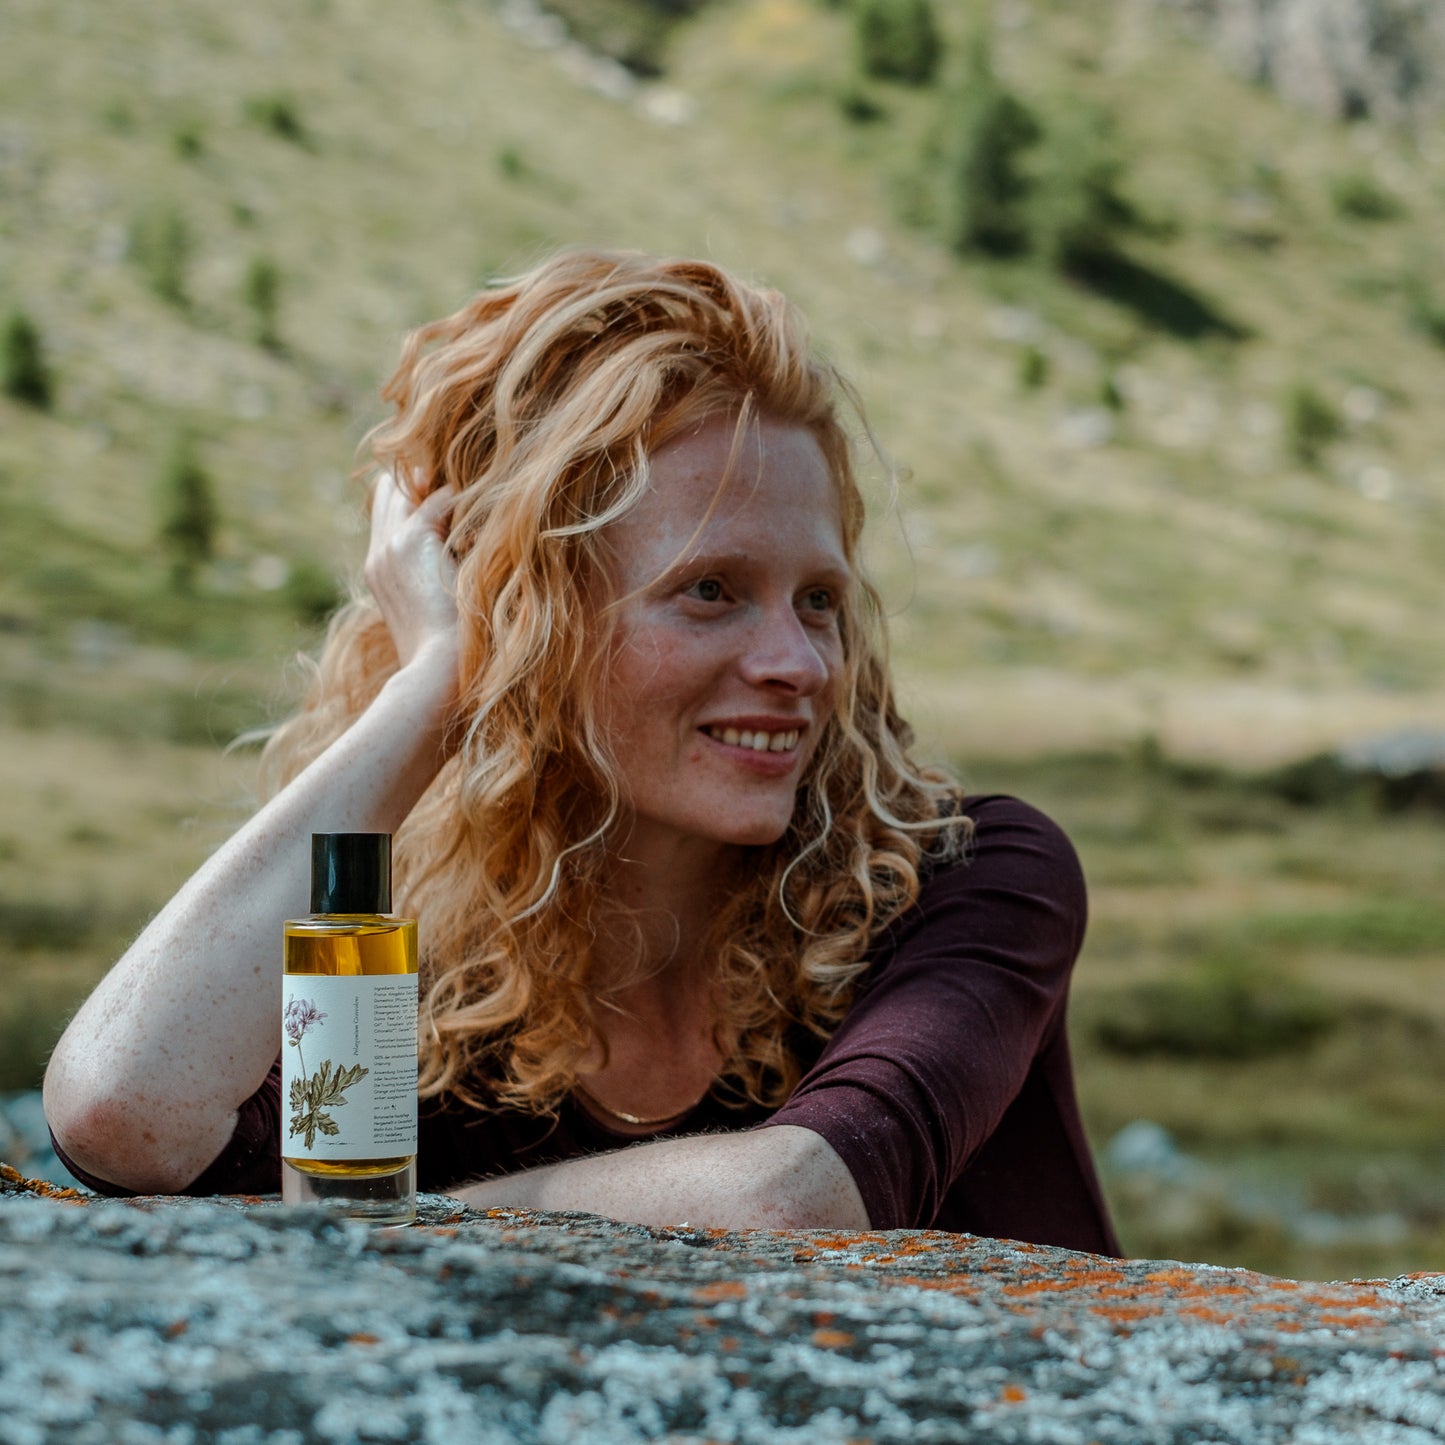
758,741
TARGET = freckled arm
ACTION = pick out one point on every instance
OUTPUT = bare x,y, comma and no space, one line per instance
779,1178
143,1087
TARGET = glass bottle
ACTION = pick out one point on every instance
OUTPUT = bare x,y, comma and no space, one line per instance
348,1038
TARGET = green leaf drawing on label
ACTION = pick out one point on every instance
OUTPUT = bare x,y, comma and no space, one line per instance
311,1098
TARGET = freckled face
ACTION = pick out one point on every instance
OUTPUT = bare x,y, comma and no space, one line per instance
727,652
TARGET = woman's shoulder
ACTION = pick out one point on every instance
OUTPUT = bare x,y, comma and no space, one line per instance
1000,825
1012,850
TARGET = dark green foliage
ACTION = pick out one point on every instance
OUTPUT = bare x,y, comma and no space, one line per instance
312,592
263,296
188,141
188,514
23,372
897,40
1311,423
1109,393
1077,206
279,115
1326,780
1219,1010
987,134
857,106
1360,197
511,164
1425,311
1033,368
162,246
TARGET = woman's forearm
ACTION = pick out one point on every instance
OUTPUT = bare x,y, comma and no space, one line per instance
143,1086
781,1178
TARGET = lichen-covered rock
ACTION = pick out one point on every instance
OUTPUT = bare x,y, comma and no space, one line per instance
241,1321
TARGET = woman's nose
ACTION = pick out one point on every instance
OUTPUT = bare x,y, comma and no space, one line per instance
783,653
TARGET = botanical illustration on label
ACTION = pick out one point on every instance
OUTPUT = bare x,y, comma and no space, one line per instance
311,1095
348,1066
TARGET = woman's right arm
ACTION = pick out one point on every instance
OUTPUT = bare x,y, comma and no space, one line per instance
143,1087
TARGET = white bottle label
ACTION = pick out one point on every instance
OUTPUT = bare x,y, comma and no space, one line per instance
348,1066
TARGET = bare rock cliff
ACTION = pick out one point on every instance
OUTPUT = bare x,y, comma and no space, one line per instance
165,1322
1343,59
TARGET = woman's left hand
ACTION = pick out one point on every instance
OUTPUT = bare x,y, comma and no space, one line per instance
412,573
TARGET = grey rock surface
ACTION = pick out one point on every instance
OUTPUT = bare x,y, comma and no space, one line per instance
242,1322
1339,58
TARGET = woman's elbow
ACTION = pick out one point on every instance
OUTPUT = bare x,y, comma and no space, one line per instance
806,1185
117,1136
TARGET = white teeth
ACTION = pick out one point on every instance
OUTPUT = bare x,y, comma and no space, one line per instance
757,742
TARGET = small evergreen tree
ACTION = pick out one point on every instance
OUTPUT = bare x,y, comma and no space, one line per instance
163,249
23,371
898,40
263,296
988,134
1311,423
1077,207
188,513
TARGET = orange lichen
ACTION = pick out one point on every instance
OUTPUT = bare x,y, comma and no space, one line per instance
720,1289
832,1339
42,1188
1126,1312
1013,1394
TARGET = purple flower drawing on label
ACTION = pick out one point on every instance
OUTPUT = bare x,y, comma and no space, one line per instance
312,1096
300,1014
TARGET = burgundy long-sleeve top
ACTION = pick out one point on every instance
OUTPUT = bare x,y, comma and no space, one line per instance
946,1090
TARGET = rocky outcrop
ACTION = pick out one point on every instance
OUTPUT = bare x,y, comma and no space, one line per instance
1339,58
182,1321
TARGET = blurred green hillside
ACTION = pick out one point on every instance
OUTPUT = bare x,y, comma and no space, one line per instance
1172,465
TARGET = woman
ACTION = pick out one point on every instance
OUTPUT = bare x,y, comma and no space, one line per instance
621,691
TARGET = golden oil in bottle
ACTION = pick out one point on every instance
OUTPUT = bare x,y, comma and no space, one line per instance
348,1038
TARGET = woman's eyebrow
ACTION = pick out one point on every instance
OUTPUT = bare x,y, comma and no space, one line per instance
828,568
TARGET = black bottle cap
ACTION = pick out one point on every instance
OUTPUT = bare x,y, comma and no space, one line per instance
351,872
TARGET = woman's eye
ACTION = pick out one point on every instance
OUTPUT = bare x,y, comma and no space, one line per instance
820,599
708,589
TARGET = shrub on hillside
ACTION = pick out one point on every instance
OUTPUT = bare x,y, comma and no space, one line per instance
162,247
1033,368
23,372
987,133
898,40
262,292
188,513
279,115
1426,312
1311,423
1360,197
1077,206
